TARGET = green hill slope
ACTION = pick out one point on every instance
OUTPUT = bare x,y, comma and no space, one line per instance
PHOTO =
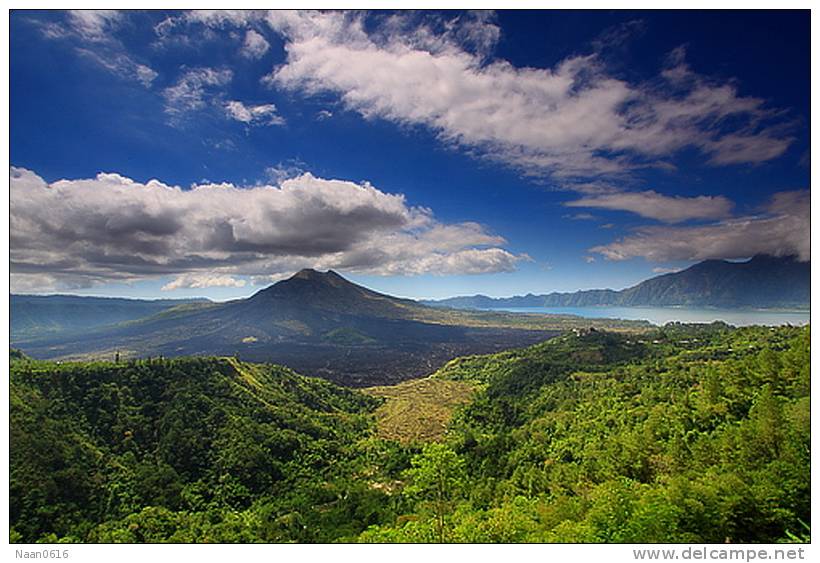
690,434
204,449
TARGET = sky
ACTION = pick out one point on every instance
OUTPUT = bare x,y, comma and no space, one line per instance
167,154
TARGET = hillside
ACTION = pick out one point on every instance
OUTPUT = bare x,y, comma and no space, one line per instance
419,410
181,450
319,324
690,433
35,316
762,282
694,434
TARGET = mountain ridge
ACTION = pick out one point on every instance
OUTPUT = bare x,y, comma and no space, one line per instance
761,282
40,315
317,323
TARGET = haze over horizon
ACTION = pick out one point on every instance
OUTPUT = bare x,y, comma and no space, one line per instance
170,154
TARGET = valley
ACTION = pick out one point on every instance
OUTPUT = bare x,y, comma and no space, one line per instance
693,433
393,276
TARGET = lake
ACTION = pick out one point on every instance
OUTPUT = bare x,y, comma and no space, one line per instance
662,315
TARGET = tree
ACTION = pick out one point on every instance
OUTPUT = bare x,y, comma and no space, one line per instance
437,478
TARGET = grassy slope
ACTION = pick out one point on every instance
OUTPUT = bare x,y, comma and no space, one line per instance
419,410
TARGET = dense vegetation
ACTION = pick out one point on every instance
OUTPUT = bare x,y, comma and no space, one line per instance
203,450
690,434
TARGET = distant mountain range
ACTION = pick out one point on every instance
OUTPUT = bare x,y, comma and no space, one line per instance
322,324
41,315
762,282
318,323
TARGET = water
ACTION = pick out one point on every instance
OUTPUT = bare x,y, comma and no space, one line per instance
662,315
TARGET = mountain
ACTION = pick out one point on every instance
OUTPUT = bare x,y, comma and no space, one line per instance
586,298
762,282
318,323
40,315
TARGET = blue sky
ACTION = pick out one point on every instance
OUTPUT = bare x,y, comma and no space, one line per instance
424,154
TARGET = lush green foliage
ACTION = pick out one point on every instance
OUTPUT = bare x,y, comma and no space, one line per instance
186,450
689,433
693,434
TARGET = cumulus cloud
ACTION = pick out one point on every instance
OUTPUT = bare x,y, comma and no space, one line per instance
573,120
255,46
780,229
198,281
193,88
651,204
108,228
264,114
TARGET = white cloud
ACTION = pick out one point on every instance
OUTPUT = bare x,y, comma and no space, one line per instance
580,217
94,25
651,204
199,88
145,75
285,171
781,229
323,114
253,115
198,281
92,31
193,27
192,89
573,120
255,46
477,29
34,283
661,270
222,18
108,228
120,64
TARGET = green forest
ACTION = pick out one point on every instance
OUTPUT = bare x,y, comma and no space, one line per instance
687,433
